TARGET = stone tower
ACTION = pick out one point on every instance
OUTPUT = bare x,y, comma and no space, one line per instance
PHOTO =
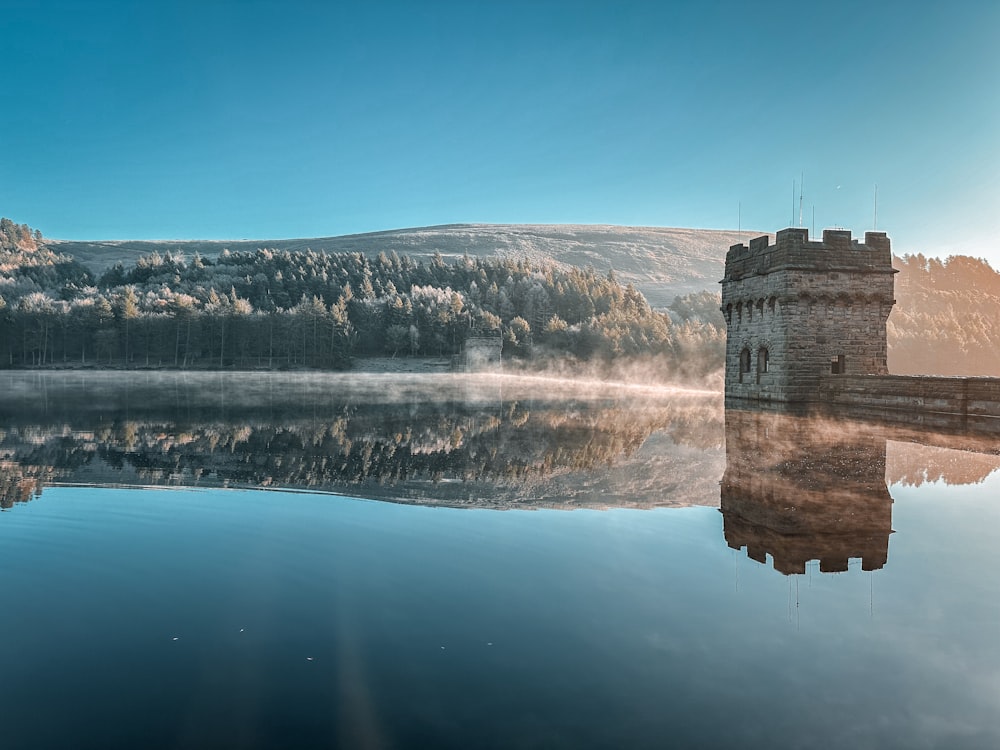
800,309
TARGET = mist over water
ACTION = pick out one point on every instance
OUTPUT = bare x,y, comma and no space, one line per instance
219,390
699,373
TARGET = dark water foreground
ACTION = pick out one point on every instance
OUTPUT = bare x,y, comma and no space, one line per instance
845,595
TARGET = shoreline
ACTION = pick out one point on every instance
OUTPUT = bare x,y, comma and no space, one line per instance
359,365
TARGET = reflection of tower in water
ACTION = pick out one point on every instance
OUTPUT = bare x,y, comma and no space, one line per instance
801,489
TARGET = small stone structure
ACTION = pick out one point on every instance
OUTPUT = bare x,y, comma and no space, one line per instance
482,352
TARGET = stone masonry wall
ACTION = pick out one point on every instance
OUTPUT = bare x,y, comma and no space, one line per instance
966,397
805,304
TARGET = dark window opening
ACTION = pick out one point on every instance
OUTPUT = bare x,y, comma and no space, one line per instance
744,363
837,366
763,361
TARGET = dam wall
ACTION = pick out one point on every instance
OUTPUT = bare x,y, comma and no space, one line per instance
965,397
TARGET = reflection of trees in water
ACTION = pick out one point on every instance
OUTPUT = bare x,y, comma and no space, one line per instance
399,447
910,464
19,484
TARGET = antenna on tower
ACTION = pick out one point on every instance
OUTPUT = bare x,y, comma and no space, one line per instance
739,220
875,217
792,222
814,222
802,180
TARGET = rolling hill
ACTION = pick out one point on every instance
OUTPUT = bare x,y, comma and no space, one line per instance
661,262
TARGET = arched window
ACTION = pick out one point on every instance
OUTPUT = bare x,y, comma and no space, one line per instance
744,363
729,313
763,362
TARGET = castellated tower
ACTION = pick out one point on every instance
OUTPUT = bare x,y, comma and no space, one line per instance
799,310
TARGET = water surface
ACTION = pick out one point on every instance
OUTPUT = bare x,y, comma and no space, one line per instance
191,614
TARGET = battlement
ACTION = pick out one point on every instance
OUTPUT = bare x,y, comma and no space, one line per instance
793,250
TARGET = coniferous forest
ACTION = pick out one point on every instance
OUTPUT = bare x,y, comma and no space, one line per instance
947,317
305,309
313,310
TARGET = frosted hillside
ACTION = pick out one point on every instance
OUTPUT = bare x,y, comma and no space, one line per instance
661,262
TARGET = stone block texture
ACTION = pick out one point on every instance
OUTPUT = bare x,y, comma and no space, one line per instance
799,309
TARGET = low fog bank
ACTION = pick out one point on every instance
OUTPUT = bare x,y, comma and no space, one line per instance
653,373
138,391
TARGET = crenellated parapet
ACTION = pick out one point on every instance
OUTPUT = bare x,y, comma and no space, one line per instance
793,250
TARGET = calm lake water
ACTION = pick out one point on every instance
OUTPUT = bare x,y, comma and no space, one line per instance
560,567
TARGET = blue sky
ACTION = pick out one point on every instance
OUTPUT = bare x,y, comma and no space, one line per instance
255,119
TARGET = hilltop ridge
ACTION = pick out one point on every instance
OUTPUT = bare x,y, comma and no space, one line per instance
662,262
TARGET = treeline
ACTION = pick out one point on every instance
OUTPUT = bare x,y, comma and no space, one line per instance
947,317
307,309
